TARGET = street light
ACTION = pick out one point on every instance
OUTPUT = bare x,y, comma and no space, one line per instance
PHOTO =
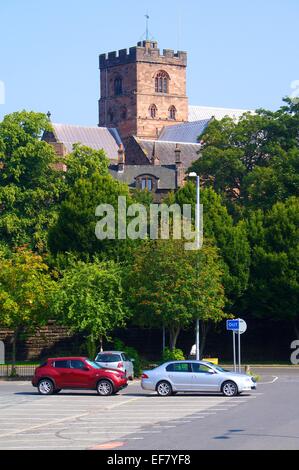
197,228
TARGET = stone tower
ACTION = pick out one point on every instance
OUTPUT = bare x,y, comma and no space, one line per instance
143,90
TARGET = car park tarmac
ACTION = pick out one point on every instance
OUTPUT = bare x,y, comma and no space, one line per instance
136,419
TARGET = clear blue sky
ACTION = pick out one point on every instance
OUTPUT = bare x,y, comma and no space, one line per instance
241,53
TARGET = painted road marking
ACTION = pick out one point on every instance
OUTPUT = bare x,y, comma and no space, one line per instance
271,382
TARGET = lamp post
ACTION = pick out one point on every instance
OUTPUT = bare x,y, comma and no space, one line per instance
197,228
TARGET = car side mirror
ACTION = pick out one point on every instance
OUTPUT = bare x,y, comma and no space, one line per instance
211,371
86,368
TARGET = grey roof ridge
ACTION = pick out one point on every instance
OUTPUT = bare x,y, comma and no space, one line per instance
79,125
171,142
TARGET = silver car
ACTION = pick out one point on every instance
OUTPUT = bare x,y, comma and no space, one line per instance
116,360
195,376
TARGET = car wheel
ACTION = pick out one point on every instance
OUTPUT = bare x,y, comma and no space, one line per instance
45,387
229,389
164,389
104,388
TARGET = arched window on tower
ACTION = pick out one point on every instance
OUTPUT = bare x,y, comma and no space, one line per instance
153,111
162,82
123,112
110,116
118,86
172,113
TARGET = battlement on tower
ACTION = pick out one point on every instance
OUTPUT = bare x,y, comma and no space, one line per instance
145,51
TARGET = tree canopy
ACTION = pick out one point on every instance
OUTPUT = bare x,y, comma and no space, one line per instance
169,286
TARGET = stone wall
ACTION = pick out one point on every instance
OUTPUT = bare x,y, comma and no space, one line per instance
45,342
138,69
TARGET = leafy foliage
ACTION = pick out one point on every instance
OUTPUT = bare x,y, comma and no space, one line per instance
230,238
26,292
274,284
173,355
90,299
169,286
253,162
30,186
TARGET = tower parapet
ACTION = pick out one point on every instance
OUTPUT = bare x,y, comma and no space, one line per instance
145,51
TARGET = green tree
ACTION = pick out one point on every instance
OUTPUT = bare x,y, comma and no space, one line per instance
274,284
229,237
252,162
84,162
30,186
169,286
89,299
75,227
26,290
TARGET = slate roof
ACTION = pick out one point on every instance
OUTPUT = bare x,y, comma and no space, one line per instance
198,113
166,154
166,174
95,137
187,132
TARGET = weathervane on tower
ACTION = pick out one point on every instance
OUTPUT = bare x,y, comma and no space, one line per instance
147,30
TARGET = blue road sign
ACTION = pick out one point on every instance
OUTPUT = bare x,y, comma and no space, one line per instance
232,325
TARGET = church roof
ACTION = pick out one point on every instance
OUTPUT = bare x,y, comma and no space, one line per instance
166,151
187,132
166,174
198,113
97,138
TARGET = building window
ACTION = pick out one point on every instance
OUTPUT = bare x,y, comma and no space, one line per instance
110,115
153,111
161,82
118,86
172,112
123,112
147,183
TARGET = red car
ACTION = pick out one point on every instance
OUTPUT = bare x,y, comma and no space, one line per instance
77,373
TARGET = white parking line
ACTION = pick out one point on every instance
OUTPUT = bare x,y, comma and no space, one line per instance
271,382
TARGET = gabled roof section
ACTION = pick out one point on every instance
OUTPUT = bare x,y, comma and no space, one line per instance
96,138
188,132
166,151
166,175
198,113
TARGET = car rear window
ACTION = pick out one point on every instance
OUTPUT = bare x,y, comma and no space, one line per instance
179,367
108,358
77,364
61,364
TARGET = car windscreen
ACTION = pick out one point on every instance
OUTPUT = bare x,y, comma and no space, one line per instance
93,364
217,367
108,358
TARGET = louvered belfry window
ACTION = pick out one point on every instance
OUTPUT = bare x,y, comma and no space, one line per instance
172,112
161,82
153,111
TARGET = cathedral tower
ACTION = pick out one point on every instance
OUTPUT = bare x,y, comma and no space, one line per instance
143,90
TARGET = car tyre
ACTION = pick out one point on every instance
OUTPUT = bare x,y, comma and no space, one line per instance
57,390
229,389
45,387
164,388
104,388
